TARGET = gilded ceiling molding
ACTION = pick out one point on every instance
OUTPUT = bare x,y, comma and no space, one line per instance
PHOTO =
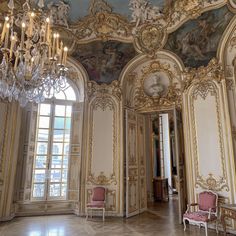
232,5
94,90
179,11
150,38
102,23
162,95
148,29
213,71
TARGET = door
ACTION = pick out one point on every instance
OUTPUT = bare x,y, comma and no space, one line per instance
135,164
179,147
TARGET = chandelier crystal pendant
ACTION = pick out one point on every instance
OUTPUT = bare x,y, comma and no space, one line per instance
33,59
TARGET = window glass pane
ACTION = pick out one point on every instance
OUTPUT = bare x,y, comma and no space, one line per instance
65,162
39,176
57,148
38,190
58,135
55,175
64,175
63,190
70,94
68,123
40,161
43,122
56,162
55,190
43,135
60,95
60,110
59,123
66,148
68,111
45,109
42,148
67,136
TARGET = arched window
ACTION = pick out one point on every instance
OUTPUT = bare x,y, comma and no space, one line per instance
52,146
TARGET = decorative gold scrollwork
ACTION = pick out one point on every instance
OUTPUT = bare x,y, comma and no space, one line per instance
171,95
212,183
95,89
213,71
150,38
101,179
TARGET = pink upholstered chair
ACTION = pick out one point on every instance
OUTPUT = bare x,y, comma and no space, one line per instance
205,211
97,202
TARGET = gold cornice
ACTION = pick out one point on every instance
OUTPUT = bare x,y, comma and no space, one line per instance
213,71
95,90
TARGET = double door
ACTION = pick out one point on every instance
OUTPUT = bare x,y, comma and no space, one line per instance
135,164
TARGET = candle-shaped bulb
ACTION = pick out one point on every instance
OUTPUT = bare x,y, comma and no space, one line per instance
7,18
7,35
65,55
47,19
32,14
22,35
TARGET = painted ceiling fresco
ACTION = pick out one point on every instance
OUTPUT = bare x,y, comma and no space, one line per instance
196,41
80,8
104,61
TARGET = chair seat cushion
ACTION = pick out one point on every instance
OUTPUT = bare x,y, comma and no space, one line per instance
98,204
199,216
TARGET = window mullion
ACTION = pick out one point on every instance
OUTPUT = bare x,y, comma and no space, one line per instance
50,147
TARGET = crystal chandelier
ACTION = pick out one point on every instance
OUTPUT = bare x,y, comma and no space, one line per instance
32,64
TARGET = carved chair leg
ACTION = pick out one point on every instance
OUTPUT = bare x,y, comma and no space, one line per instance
206,229
103,214
217,222
184,221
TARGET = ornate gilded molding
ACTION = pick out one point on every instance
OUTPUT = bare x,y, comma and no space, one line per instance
148,28
103,101
150,38
102,23
171,95
213,71
212,183
94,90
179,9
203,88
101,179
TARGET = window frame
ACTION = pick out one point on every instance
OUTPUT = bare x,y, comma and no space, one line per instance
49,156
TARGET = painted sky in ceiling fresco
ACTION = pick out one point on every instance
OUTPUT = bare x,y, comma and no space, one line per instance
79,8
196,42
104,61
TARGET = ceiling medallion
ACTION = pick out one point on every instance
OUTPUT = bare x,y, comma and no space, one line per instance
150,38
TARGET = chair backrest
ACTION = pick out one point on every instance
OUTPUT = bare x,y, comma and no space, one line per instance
207,200
99,194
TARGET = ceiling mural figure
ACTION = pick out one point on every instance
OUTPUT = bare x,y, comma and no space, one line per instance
106,64
196,41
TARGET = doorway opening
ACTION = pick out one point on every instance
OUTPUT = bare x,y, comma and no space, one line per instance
165,162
